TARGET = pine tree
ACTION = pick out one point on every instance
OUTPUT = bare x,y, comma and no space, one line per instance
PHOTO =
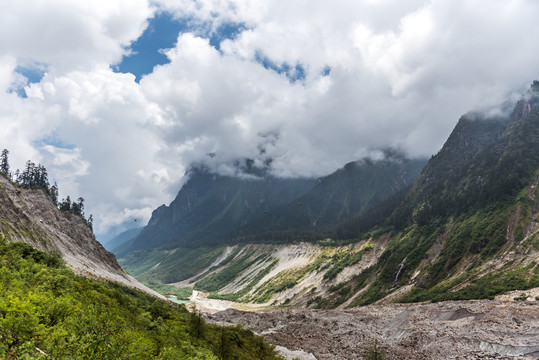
27,176
198,328
65,204
225,345
41,178
90,222
54,193
4,163
80,205
375,352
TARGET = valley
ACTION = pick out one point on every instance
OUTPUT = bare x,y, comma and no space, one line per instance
264,180
378,254
464,227
441,263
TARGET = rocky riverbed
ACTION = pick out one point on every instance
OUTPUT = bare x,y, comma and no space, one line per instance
449,330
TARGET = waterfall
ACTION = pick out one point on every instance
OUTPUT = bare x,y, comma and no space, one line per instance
396,282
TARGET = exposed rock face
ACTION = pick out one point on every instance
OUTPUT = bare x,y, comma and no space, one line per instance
29,216
450,330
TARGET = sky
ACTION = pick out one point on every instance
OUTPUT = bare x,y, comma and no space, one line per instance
118,97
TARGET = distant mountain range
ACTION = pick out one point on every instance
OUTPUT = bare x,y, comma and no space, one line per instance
121,238
214,209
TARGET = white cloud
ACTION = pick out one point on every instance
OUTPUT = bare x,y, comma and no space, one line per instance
69,35
401,73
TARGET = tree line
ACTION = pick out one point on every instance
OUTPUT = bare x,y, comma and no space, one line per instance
36,177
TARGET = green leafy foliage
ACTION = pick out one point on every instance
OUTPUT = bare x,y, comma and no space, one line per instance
279,283
46,311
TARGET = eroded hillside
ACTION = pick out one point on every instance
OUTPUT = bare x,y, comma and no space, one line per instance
30,216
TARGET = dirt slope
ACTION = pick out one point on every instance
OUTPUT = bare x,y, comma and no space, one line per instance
29,216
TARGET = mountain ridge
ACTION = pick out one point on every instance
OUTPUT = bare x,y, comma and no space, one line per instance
212,209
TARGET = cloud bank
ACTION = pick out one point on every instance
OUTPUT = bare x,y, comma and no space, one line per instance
310,85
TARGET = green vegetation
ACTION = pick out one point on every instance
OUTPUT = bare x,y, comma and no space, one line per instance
279,283
182,293
169,266
218,280
240,295
511,277
48,312
375,352
345,259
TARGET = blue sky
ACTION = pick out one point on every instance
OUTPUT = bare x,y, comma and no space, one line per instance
32,73
162,34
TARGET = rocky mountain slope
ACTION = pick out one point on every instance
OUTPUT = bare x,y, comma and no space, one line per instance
335,198
29,216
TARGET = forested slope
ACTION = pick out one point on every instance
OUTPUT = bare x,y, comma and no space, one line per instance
48,312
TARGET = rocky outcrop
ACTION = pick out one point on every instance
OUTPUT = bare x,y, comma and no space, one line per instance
30,216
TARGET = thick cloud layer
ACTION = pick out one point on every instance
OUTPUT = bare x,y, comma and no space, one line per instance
308,84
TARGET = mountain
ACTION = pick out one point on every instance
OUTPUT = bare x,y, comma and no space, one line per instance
30,216
467,228
213,211
335,198
122,238
470,219
210,207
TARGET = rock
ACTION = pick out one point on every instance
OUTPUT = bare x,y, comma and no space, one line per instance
449,330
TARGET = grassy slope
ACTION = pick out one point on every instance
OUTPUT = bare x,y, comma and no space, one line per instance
45,306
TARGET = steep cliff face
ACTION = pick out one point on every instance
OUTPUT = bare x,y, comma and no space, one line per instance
210,208
29,216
